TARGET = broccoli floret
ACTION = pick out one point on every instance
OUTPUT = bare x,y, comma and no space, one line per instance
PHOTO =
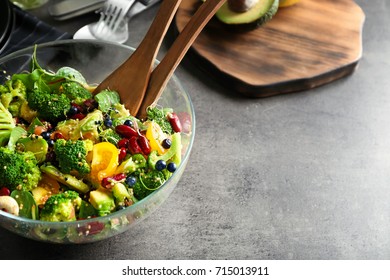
173,154
7,123
87,128
160,117
71,156
147,183
18,170
50,106
136,162
61,207
75,92
13,96
109,135
66,179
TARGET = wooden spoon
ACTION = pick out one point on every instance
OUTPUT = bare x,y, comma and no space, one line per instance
130,79
164,70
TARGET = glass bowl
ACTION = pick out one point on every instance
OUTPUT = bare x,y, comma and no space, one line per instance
96,60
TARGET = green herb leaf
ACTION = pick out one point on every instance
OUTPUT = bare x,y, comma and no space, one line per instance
27,206
106,100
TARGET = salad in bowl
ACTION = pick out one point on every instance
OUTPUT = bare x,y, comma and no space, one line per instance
77,166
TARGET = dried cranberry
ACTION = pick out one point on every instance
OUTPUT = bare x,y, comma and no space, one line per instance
57,135
106,182
78,116
119,177
90,104
4,191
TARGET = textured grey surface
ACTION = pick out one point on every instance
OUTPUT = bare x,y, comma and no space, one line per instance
298,176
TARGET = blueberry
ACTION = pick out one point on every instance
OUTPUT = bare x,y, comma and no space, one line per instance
46,135
131,180
120,207
108,122
50,142
166,143
160,165
171,167
73,110
128,122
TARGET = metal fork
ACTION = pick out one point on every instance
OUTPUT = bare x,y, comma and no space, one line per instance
113,23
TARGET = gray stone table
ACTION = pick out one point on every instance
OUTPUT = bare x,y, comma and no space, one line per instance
297,176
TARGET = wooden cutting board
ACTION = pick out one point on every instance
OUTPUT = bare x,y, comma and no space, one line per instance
304,46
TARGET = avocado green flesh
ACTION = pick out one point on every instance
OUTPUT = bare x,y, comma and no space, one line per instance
263,11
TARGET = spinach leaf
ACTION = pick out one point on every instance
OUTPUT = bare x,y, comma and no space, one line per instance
106,100
27,206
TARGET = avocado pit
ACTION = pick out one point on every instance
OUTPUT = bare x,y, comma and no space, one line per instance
240,6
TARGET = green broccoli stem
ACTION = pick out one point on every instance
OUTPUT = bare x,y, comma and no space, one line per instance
66,179
176,148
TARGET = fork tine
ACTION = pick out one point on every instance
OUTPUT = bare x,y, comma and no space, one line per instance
116,14
112,18
120,19
110,14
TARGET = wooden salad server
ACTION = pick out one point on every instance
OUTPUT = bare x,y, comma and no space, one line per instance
131,78
138,85
164,70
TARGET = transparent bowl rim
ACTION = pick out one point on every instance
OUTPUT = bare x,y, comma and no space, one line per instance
140,203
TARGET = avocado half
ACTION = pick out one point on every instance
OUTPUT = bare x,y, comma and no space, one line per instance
257,15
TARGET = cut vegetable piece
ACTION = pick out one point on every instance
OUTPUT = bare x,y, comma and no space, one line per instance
259,14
